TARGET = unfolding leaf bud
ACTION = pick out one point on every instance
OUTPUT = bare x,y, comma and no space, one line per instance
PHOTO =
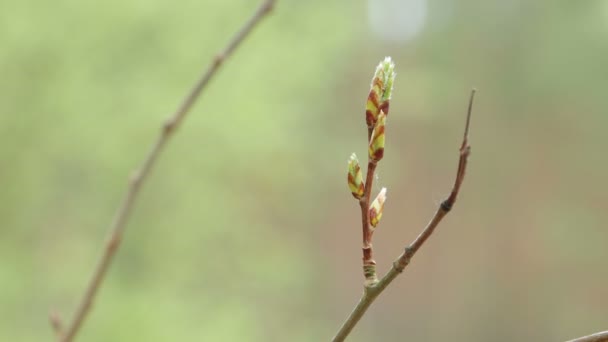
376,143
375,210
380,92
355,177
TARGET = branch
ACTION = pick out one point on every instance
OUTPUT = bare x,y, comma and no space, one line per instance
369,265
138,177
371,292
597,337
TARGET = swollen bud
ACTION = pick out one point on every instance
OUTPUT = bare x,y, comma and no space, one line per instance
375,210
376,143
380,92
355,177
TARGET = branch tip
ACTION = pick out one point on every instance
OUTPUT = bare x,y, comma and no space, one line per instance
469,112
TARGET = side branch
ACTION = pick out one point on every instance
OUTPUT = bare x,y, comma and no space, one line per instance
372,292
138,177
597,337
447,204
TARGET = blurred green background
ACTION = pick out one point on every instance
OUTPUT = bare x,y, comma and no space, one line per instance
246,230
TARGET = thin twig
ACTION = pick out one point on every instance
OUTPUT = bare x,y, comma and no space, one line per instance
372,292
597,337
138,177
369,265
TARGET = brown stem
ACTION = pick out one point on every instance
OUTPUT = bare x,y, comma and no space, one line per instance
597,337
369,264
140,175
371,292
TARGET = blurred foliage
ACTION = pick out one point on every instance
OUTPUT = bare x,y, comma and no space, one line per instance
246,230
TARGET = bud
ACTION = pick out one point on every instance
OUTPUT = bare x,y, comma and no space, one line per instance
355,177
376,143
375,210
380,92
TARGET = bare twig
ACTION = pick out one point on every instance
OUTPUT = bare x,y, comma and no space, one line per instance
597,337
371,292
139,175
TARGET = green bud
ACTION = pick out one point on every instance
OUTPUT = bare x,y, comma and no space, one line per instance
380,92
376,143
375,210
355,177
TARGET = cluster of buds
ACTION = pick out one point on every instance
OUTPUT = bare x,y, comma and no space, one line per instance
376,110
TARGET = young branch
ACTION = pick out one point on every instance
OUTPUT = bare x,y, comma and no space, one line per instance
597,337
369,264
371,292
138,177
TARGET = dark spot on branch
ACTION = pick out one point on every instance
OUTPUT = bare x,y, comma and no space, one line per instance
446,205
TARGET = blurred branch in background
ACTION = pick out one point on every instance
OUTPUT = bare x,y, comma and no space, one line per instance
138,177
372,287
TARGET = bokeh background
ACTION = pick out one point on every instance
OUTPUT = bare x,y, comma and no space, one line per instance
246,230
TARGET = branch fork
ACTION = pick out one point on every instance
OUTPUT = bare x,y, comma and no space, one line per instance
377,103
